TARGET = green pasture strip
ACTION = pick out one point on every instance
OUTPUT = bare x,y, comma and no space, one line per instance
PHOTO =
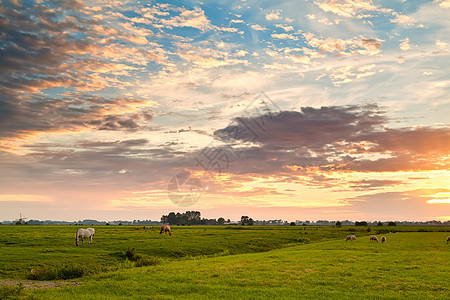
408,266
23,248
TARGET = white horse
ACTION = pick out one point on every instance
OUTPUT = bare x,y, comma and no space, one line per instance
84,233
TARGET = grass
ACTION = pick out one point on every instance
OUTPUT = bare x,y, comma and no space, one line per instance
23,248
410,265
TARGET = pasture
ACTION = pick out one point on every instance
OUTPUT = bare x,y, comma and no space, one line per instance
230,262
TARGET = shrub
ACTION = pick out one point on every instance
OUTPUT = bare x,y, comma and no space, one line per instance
178,253
131,254
303,240
67,271
147,261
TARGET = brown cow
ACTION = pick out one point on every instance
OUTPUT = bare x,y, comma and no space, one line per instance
166,228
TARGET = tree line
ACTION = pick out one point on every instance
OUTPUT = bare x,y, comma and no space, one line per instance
190,218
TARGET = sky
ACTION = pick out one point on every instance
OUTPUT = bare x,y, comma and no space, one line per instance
293,110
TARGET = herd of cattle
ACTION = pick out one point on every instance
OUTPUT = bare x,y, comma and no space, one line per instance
352,237
90,232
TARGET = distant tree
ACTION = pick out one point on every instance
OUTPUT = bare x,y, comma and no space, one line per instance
172,218
292,224
220,221
392,224
362,223
244,220
338,224
379,223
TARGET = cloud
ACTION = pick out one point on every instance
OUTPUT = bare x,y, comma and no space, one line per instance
285,27
188,18
345,138
275,15
258,27
371,184
443,3
359,45
403,19
349,8
404,45
24,198
284,36
44,114
441,44
409,204
347,74
71,49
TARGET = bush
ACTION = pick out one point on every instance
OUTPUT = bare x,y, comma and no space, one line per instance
178,253
147,261
303,240
67,271
131,254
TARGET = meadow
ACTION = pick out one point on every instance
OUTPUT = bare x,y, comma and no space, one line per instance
232,262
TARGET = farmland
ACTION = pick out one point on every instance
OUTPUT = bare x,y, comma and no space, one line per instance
228,262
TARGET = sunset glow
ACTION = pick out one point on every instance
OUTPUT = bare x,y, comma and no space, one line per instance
299,110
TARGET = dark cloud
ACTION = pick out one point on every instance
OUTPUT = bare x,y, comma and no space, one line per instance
44,47
337,138
311,127
44,114
370,184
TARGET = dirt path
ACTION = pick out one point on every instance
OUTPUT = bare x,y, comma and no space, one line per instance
38,284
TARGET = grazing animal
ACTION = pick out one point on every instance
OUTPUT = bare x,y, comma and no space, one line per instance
84,233
448,239
350,237
166,228
373,238
383,239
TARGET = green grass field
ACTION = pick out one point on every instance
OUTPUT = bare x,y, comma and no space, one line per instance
231,262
